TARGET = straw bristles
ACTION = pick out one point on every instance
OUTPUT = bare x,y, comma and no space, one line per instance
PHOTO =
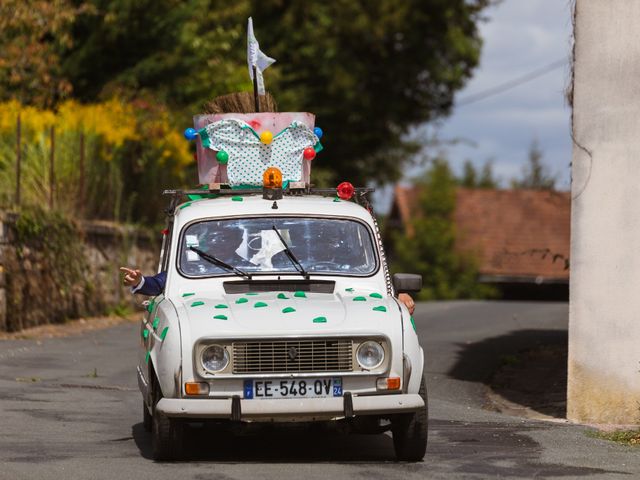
240,102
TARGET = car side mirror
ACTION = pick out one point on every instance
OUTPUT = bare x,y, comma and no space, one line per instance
407,282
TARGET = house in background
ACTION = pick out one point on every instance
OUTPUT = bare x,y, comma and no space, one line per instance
519,237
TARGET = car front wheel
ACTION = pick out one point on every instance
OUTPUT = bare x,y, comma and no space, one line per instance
410,431
146,417
167,435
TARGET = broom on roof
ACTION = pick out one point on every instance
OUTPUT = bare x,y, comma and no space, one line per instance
242,102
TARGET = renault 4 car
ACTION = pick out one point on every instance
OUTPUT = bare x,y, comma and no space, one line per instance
280,310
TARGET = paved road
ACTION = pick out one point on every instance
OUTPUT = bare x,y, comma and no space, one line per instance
58,420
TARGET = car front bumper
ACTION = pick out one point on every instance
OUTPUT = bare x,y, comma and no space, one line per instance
289,409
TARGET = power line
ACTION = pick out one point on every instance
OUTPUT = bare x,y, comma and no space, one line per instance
516,82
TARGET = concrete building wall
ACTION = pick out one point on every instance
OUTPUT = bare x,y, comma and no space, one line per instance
604,326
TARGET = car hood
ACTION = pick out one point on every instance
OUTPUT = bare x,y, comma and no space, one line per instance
287,313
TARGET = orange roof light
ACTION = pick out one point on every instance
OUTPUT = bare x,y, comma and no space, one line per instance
272,178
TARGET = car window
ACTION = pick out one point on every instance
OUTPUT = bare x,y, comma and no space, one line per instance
322,245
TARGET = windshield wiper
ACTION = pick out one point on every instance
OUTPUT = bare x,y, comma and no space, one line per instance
296,263
219,263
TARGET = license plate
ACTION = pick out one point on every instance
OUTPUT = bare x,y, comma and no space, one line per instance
293,388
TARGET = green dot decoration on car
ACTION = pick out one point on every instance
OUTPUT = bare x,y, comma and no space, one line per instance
260,305
155,323
380,308
248,156
300,295
320,320
375,295
282,296
242,300
288,310
197,304
163,335
221,305
145,333
220,317
189,294
348,289
359,299
413,323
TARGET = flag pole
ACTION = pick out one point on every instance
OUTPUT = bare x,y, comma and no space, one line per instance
255,89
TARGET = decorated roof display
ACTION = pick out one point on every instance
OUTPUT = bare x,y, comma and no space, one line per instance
237,148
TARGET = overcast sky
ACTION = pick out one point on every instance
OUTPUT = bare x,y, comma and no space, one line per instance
520,36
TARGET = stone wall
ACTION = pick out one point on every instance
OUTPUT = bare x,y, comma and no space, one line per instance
31,294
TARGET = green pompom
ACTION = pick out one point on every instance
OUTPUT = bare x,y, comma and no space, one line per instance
222,157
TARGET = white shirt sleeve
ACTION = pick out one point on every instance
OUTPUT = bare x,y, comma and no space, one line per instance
137,287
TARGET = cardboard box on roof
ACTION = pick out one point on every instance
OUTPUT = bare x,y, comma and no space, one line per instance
211,171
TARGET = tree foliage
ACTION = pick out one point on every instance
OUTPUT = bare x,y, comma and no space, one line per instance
369,70
472,178
181,52
429,248
33,35
535,174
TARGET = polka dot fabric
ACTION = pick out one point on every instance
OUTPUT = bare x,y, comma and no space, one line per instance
249,157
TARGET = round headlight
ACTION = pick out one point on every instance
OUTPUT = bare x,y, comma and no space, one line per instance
370,355
215,358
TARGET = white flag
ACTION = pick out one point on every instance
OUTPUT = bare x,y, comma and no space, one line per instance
256,58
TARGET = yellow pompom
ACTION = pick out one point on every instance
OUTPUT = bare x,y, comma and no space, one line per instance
266,137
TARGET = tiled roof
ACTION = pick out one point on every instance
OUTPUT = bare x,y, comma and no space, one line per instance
515,234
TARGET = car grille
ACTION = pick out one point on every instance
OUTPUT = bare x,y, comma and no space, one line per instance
293,356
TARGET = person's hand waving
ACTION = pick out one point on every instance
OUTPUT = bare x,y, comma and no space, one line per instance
408,301
131,277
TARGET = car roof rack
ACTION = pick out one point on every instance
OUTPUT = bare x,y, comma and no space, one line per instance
294,189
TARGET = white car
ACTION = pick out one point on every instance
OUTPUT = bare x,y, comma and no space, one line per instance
280,311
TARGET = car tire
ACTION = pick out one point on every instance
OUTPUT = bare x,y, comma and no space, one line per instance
167,435
410,431
146,417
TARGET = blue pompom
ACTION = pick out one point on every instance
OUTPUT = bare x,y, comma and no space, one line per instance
190,133
318,131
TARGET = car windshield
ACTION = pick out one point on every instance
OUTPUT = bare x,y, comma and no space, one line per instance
322,245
